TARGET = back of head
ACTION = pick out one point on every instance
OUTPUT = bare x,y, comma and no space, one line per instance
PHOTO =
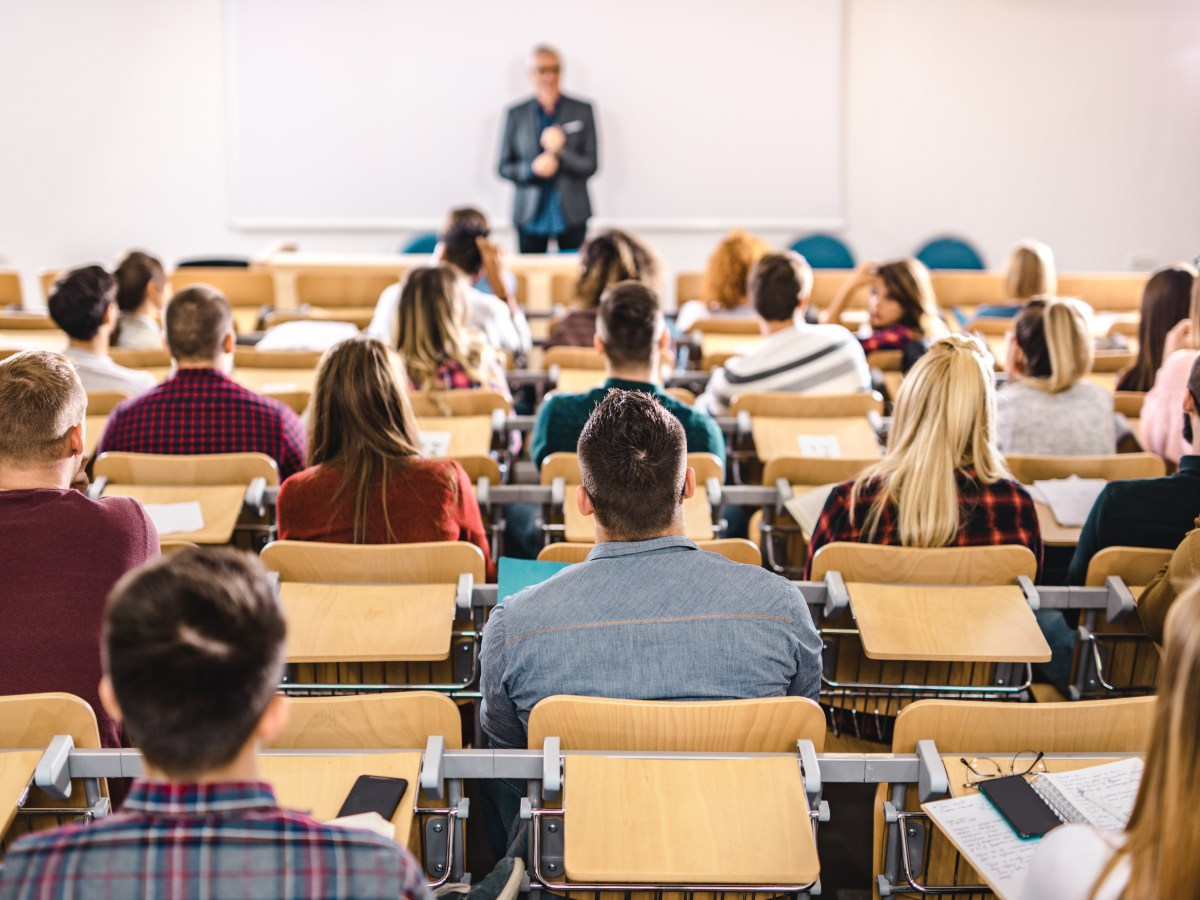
630,324
1165,301
80,299
609,257
197,320
194,646
466,215
361,421
633,459
135,272
729,266
1030,271
42,399
907,281
778,284
431,322
1163,831
944,421
460,247
1055,340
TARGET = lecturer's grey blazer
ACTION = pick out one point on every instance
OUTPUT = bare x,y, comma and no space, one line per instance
578,162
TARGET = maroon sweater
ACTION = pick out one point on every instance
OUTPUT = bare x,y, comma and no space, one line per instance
60,555
427,500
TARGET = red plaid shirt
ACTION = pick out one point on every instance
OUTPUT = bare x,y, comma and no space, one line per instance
892,337
1000,513
205,411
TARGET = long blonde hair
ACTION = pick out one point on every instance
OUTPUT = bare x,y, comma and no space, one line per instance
1164,830
1030,271
944,421
907,281
1055,339
432,326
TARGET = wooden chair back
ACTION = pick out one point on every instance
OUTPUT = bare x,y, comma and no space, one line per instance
728,325
876,563
962,288
241,287
1105,291
574,358
29,721
1129,403
478,467
1133,565
166,547
350,286
738,550
457,403
769,725
814,469
101,403
140,359
388,721
886,360
250,358
780,404
10,289
46,278
1114,467
683,395
566,466
19,320
690,286
562,288
200,469
434,562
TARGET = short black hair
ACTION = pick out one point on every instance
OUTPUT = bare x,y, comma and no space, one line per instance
197,320
629,323
193,643
633,459
80,299
134,273
777,283
460,247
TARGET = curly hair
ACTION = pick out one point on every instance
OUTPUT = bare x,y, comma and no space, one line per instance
729,266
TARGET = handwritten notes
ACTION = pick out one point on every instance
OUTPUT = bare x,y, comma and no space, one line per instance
1102,796
986,840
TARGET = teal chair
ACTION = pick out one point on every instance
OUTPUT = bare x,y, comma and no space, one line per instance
949,253
824,251
422,243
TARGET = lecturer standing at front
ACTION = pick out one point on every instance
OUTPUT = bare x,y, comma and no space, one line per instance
549,152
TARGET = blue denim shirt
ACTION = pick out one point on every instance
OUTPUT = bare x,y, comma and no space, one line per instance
647,620
549,217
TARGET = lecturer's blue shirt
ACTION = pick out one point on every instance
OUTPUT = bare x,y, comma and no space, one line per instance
549,217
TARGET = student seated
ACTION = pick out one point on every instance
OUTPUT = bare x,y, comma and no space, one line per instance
1048,407
60,552
1159,422
648,615
141,296
1165,303
193,651
439,351
630,333
1170,581
607,258
725,282
1029,273
200,409
1145,512
1155,856
943,482
368,483
794,356
83,304
902,308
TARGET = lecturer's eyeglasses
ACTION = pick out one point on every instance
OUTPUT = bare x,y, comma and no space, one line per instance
547,70
983,768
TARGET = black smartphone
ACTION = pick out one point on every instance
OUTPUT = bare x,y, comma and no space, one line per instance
374,793
1028,814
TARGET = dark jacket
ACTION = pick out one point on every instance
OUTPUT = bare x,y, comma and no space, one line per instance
577,163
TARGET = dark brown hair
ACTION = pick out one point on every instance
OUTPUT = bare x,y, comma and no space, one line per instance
361,423
633,459
906,280
1165,301
136,271
80,299
609,257
197,320
194,645
777,283
460,246
629,323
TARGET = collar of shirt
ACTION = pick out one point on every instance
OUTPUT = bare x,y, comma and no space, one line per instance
205,373
611,549
1189,465
90,358
185,800
645,387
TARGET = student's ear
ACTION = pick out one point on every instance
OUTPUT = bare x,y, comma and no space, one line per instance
75,439
1189,403
230,342
583,501
689,483
598,344
110,315
108,699
273,720
664,339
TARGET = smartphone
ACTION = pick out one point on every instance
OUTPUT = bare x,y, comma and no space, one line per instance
374,793
1028,814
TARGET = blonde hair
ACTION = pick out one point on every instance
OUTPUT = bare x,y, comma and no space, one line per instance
1055,340
944,421
1030,271
42,399
431,326
729,268
907,281
1164,831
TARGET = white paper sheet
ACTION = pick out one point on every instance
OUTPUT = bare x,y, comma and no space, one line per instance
175,518
1102,795
986,840
806,508
306,334
1070,499
435,444
823,445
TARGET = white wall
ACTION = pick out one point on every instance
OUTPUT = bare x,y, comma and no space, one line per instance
1075,121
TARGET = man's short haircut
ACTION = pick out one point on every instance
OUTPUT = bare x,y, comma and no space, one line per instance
633,459
136,271
80,299
629,323
545,49
41,398
194,645
777,283
197,320
460,248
